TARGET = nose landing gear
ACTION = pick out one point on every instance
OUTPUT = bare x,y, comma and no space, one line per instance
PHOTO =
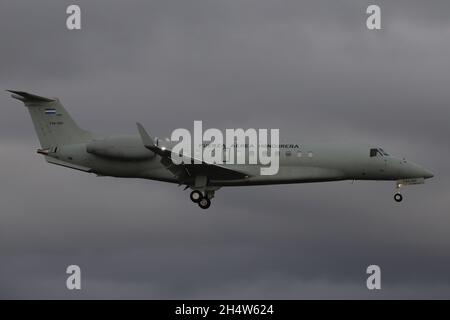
398,196
405,182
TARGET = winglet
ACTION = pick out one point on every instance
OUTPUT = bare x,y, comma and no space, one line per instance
28,97
146,139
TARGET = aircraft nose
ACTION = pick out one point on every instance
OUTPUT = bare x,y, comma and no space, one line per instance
427,174
421,172
412,170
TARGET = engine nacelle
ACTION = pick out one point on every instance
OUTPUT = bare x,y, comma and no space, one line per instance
120,148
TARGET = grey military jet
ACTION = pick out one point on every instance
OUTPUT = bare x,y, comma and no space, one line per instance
65,144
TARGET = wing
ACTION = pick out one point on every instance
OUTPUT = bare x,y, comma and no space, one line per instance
188,170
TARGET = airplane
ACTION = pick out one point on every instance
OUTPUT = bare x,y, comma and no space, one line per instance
64,143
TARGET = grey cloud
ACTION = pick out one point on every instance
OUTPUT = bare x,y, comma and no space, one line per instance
307,67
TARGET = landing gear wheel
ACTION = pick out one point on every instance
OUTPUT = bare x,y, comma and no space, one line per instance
398,197
196,196
204,203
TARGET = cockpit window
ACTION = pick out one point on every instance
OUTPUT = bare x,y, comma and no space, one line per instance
373,152
378,152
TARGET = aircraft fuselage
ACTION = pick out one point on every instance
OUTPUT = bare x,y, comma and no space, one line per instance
298,164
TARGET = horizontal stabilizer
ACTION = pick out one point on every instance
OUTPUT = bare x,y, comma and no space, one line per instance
67,164
28,97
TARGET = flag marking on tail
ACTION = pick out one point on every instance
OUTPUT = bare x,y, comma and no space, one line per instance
50,111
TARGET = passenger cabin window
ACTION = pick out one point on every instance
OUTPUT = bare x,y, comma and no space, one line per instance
288,153
299,154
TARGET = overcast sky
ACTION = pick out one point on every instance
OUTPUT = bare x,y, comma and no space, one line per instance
310,68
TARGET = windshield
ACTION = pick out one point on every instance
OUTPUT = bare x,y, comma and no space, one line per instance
378,152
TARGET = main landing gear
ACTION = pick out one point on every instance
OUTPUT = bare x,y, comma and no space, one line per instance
196,196
203,201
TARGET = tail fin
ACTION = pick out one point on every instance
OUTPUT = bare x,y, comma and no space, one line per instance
53,125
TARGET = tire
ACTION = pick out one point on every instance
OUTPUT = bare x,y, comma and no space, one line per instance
398,197
204,203
196,196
